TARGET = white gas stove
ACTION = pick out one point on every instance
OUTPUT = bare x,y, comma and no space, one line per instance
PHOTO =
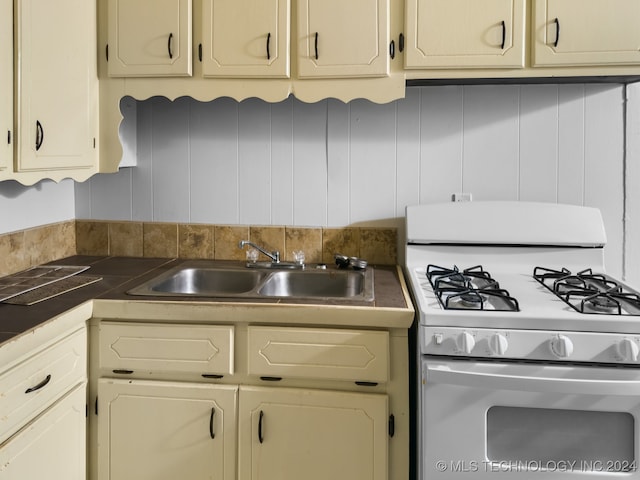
527,353
526,282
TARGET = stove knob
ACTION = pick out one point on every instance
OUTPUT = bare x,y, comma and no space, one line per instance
628,350
465,342
498,344
561,346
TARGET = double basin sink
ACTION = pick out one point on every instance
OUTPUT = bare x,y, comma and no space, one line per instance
208,279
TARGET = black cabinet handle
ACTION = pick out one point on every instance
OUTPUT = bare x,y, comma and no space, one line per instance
504,35
39,135
200,52
268,42
392,49
211,432
169,45
122,371
401,43
557,22
316,45
40,385
260,420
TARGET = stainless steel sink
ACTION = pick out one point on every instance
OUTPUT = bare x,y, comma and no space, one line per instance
314,283
206,279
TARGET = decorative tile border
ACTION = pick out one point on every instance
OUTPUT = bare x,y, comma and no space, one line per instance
220,242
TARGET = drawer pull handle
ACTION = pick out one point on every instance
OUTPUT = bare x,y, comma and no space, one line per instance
123,372
39,386
211,432
260,420
212,375
366,384
271,379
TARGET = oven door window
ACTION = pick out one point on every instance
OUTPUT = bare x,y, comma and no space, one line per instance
588,440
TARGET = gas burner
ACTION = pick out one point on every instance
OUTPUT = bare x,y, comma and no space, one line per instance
587,292
469,289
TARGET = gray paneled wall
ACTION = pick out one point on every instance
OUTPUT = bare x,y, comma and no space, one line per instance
336,164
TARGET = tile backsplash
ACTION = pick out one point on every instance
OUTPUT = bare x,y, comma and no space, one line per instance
377,245
26,248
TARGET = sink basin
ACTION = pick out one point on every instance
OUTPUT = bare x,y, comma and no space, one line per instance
201,281
205,279
314,283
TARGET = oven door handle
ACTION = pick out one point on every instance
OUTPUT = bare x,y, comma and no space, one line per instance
440,374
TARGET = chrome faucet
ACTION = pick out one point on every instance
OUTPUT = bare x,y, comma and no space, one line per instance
274,256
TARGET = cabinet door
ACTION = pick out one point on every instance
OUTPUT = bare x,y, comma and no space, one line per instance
465,33
246,38
338,38
149,38
289,434
52,446
6,84
586,32
165,430
57,84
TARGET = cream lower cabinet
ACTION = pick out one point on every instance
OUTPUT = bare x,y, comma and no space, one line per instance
465,33
149,38
289,434
245,38
53,446
166,430
57,88
586,32
343,39
6,85
242,402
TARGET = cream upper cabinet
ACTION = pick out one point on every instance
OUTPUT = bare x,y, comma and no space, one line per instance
166,430
338,38
6,84
465,33
290,434
586,32
149,38
56,85
245,38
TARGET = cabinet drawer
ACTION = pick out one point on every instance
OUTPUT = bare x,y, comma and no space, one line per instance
30,387
203,349
355,355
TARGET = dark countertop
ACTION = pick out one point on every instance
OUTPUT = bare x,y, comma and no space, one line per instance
122,273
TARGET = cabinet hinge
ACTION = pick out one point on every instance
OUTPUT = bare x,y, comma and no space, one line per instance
392,425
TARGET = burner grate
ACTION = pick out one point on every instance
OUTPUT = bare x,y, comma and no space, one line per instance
588,292
470,289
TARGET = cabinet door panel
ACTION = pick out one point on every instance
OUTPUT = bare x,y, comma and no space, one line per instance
52,446
150,37
246,38
465,33
351,38
586,32
57,84
165,430
311,434
6,84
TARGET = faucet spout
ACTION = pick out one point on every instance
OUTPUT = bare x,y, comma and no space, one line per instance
274,256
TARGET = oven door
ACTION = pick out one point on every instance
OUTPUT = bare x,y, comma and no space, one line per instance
502,420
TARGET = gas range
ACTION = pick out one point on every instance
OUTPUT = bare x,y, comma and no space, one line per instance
533,288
